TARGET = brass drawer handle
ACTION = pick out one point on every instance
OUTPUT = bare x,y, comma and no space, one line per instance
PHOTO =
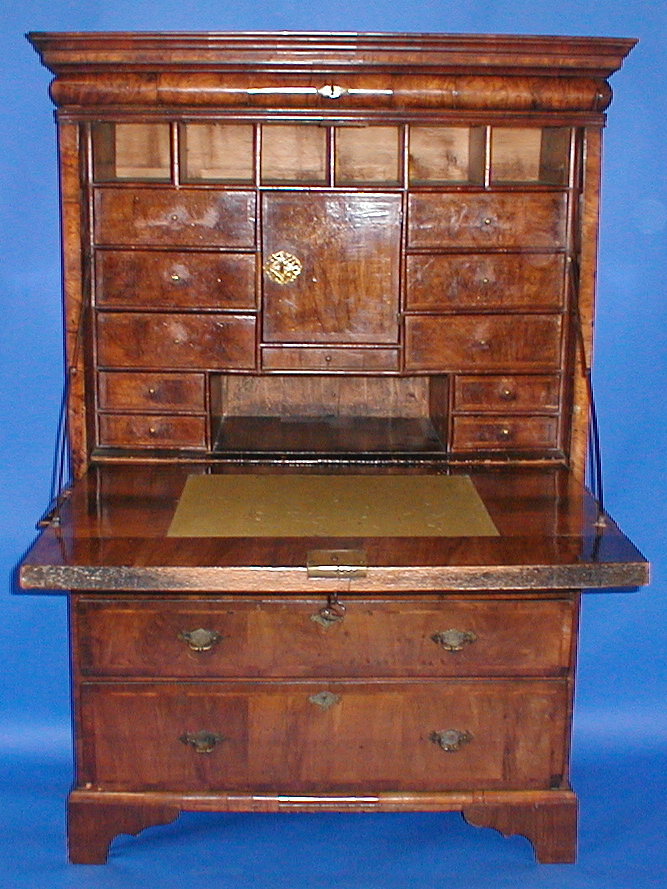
451,739
202,741
454,640
200,639
283,267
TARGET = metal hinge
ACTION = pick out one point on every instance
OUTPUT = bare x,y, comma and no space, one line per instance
343,563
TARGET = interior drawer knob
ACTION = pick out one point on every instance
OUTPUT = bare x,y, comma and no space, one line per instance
202,741
454,640
200,639
450,740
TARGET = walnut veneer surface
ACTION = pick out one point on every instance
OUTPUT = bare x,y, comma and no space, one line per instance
328,253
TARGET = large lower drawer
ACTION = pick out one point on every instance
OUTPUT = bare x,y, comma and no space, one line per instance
324,737
471,637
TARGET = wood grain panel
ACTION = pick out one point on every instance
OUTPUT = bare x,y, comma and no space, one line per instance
372,737
162,340
486,220
174,218
348,245
281,639
502,343
172,280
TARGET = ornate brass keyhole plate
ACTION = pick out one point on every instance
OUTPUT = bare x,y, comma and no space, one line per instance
283,267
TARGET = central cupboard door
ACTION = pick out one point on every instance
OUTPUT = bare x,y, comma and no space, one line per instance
330,267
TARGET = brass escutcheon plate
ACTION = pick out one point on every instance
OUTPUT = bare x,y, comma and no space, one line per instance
283,267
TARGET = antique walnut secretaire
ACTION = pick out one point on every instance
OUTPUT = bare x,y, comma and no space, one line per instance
329,303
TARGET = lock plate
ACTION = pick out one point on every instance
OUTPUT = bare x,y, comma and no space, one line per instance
341,563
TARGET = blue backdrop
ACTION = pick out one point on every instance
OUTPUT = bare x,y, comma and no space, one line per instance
620,748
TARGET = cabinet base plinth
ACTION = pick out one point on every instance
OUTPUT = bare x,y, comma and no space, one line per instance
92,825
551,826
548,819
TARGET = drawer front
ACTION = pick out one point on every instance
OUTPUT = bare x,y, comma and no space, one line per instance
281,639
323,738
479,281
504,433
157,339
506,393
122,391
487,220
482,342
329,359
138,431
141,279
169,218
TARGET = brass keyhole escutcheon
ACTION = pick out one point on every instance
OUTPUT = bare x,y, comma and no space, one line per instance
283,267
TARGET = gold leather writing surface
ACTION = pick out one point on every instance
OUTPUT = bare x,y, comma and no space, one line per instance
330,506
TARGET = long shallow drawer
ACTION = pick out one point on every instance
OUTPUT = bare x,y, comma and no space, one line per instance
139,431
504,433
168,217
508,393
324,737
144,279
291,358
161,339
123,391
487,220
482,342
448,283
281,639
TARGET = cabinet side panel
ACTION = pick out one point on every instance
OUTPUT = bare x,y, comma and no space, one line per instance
73,290
589,225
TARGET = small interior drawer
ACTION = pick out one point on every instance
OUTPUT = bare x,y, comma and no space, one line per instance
454,220
454,282
123,391
356,737
504,433
173,279
477,637
174,218
506,394
176,340
152,431
294,358
500,343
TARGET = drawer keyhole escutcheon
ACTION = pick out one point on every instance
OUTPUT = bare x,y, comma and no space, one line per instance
451,739
200,639
324,699
283,267
202,741
331,613
454,640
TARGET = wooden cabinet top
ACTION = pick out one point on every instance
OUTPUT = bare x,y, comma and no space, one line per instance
310,49
145,68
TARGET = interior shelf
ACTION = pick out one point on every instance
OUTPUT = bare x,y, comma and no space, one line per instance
327,435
